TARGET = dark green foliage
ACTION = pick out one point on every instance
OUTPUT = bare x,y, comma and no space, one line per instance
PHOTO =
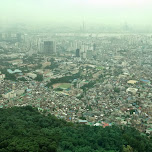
8,76
22,79
89,85
24,129
53,65
39,77
83,118
58,89
117,90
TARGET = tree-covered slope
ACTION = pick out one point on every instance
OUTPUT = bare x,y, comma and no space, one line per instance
24,129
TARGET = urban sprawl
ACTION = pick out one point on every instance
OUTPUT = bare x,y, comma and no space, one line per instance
94,79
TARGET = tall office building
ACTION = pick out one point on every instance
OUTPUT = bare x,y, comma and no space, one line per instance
40,46
94,47
84,55
49,47
77,52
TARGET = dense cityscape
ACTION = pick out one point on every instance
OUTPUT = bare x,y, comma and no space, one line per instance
95,79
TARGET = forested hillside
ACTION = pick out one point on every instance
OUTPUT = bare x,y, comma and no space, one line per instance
24,129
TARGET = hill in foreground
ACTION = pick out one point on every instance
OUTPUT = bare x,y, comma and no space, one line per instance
24,129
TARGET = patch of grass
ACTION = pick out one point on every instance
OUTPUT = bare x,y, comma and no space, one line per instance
65,85
99,68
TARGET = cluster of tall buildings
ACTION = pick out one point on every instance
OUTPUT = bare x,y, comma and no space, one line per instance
85,50
47,47
16,37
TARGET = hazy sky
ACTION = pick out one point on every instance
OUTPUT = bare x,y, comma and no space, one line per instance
74,11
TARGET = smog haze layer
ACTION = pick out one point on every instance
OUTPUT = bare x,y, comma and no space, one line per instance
74,12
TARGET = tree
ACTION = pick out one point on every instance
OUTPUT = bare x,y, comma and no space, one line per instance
127,148
22,79
39,77
25,129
